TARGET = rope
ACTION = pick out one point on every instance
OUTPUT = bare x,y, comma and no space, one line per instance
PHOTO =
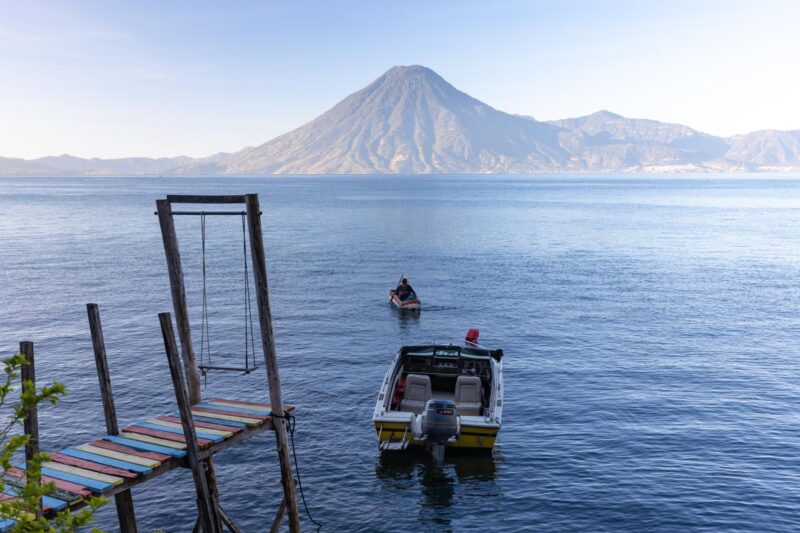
248,306
291,422
205,338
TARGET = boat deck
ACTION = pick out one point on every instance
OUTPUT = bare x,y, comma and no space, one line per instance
142,451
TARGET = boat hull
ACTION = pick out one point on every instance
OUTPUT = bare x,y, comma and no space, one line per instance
407,305
470,438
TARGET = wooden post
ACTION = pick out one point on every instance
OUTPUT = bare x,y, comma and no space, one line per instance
123,500
170,238
205,504
270,357
31,422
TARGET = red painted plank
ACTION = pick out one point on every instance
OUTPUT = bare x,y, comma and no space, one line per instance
230,413
174,437
197,423
160,457
90,465
63,485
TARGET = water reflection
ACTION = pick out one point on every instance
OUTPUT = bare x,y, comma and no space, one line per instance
438,488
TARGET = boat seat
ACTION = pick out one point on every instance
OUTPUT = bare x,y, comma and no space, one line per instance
417,393
469,394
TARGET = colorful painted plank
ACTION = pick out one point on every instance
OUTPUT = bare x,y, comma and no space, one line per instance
7,523
84,472
164,435
226,415
147,439
221,421
230,409
91,484
71,460
199,423
179,431
102,458
200,429
48,502
108,445
139,445
210,434
257,405
61,485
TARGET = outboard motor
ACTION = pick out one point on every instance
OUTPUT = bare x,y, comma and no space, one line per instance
439,423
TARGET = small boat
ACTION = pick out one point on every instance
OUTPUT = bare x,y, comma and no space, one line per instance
412,304
439,397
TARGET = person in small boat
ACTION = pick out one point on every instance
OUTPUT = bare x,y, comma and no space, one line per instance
404,291
399,389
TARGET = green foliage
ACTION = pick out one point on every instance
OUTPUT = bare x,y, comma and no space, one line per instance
29,490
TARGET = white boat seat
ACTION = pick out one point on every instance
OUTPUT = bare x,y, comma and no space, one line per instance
469,396
416,394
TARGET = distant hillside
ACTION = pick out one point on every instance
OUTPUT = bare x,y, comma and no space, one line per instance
410,120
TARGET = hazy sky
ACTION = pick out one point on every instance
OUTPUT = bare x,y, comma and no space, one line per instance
163,78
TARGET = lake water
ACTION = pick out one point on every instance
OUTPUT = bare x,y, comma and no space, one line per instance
650,327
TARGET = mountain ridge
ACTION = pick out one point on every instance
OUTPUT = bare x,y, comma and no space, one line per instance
410,120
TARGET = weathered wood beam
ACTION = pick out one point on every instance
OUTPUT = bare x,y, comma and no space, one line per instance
205,504
31,422
179,304
270,357
123,500
205,199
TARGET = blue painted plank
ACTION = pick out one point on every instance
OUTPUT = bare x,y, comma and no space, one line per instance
91,484
108,461
49,501
231,423
146,446
232,409
198,431
6,524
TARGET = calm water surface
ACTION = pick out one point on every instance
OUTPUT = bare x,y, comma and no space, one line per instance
650,330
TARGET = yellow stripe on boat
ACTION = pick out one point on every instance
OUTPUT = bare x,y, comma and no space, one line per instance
91,474
111,454
197,429
153,440
233,418
265,410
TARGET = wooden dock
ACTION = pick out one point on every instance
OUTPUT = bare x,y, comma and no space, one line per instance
142,451
124,458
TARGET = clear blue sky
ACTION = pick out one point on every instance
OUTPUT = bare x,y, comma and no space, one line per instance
161,78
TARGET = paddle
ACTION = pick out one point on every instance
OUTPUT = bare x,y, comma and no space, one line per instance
394,291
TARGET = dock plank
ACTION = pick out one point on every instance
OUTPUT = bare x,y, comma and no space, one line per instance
101,468
200,429
202,424
165,435
179,431
221,421
84,472
75,488
130,462
121,448
97,487
241,411
228,415
145,446
257,405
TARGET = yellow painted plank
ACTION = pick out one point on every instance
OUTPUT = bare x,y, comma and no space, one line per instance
91,474
231,403
153,440
249,421
111,454
198,429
